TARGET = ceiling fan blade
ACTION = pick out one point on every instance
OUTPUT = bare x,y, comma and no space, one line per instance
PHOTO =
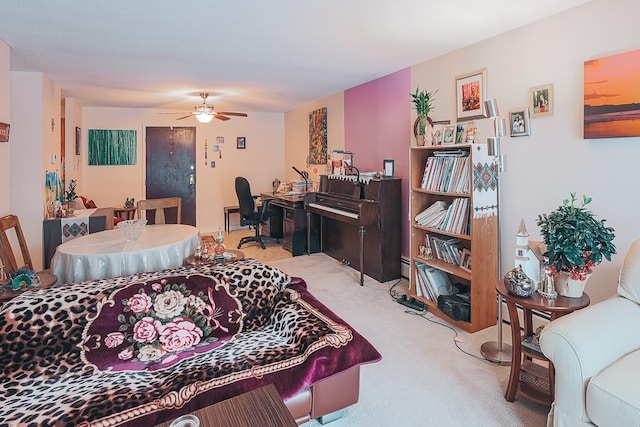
218,116
228,113
188,115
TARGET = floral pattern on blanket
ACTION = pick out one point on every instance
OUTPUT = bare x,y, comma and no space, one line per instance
155,324
285,337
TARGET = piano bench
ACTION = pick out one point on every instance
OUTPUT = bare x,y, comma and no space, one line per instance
228,210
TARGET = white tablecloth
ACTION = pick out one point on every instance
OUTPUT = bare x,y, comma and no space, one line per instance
108,254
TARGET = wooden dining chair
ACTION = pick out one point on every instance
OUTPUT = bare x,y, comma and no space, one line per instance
158,211
10,229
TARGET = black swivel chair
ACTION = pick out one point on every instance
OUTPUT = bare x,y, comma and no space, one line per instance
251,216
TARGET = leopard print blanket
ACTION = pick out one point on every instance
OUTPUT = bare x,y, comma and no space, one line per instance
146,348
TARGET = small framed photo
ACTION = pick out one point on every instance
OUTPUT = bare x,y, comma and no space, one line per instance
541,100
241,143
449,135
466,133
77,141
219,139
388,168
438,134
465,260
470,93
519,122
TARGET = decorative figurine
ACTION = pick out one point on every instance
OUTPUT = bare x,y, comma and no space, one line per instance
518,284
219,248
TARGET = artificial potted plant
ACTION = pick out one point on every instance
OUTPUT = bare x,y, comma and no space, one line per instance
576,242
70,195
423,103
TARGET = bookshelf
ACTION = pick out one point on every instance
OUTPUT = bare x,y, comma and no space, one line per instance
454,218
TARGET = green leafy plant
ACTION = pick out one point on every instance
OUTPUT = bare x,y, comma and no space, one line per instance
423,103
70,194
576,241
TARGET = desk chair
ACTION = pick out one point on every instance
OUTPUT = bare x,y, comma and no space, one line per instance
251,216
7,257
159,209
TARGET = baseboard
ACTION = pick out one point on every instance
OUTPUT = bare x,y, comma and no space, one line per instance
405,267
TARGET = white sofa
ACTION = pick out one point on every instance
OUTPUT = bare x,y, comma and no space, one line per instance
596,355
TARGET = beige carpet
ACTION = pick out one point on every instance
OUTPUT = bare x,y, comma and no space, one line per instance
423,378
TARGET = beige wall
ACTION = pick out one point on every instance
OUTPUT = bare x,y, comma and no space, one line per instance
5,117
544,168
35,101
261,162
297,135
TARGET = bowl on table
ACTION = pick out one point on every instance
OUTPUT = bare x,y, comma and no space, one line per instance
132,228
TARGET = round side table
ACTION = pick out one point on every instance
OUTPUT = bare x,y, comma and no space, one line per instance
528,378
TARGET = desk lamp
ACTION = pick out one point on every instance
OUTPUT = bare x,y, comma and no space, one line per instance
496,351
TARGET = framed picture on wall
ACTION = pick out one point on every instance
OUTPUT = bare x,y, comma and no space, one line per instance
4,132
541,100
519,122
241,143
470,94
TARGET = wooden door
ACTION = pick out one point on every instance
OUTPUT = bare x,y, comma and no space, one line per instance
171,167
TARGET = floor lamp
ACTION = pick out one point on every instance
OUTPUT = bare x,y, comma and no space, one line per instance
496,351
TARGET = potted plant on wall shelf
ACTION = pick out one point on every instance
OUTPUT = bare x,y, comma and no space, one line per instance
423,103
576,242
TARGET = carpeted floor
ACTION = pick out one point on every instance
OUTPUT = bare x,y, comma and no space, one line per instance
424,379
430,373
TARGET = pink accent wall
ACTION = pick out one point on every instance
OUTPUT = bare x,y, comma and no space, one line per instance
377,123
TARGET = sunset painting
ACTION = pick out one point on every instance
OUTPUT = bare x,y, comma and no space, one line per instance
612,96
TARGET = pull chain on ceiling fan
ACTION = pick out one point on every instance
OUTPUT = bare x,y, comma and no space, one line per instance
205,113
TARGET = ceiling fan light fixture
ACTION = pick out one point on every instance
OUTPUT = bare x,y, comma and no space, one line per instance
204,117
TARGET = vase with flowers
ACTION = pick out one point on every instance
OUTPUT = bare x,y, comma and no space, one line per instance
423,103
576,242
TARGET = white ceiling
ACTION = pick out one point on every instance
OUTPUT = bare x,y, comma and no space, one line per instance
251,55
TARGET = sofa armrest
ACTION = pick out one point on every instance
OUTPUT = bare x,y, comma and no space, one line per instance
583,343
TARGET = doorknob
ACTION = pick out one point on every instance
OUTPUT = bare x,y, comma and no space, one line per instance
192,178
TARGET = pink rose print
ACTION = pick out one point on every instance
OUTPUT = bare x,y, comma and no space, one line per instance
126,354
140,303
114,339
147,330
156,287
180,334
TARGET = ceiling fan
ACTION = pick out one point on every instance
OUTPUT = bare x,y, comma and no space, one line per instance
205,113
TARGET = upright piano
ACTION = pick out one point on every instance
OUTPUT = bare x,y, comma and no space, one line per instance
358,222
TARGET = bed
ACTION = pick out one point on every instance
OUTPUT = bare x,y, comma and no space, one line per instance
147,348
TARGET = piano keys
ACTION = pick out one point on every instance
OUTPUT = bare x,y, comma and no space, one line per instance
359,224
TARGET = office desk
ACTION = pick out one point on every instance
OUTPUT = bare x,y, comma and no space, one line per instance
99,220
108,254
294,222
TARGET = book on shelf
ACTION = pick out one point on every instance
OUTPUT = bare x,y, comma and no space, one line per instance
432,215
436,282
446,172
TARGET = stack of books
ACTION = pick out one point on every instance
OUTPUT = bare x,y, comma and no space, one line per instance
447,172
447,250
451,217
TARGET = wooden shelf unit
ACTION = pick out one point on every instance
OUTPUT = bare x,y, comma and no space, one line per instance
482,241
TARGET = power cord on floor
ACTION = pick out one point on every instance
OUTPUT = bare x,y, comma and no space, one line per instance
456,339
395,295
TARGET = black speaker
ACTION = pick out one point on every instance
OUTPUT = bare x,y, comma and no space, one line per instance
458,307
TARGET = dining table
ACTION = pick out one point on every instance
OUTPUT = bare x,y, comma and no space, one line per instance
109,254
